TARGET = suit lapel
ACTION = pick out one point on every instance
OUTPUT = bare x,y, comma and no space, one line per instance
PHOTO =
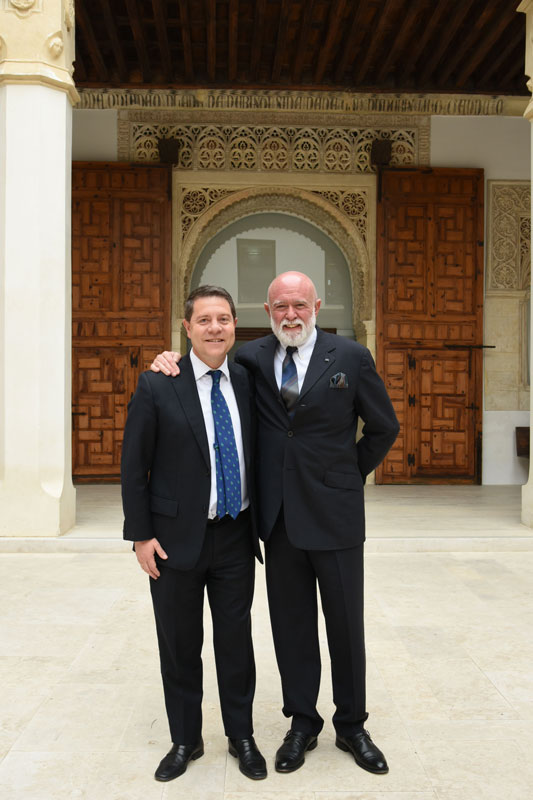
185,387
265,359
322,358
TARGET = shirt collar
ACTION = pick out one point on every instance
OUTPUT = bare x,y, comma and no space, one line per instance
200,369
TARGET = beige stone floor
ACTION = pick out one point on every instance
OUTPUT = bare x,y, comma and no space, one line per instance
450,664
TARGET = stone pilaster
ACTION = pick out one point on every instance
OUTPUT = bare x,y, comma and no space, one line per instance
36,94
526,7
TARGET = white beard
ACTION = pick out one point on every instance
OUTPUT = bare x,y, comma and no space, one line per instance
288,337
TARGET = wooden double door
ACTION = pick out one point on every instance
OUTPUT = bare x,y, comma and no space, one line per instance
120,301
429,322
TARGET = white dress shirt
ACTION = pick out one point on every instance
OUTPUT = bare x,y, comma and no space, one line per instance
204,383
301,358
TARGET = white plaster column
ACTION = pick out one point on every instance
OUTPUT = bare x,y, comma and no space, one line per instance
37,497
526,7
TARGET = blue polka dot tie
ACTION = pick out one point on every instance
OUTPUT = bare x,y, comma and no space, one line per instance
226,457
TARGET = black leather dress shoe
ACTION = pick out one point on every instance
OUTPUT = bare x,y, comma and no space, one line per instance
175,762
291,754
251,762
365,752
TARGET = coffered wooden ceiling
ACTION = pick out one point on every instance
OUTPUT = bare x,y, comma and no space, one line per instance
359,45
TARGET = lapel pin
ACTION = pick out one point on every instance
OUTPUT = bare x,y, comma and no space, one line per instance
326,359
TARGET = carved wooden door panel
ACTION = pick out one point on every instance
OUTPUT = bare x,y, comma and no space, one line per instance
120,301
429,321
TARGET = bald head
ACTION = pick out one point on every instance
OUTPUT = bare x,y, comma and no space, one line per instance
292,307
293,282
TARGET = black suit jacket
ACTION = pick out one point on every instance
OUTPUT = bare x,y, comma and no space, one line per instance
166,469
312,463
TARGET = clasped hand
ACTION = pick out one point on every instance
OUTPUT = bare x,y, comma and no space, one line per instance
167,363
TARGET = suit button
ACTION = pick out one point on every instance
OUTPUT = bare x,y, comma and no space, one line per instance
290,434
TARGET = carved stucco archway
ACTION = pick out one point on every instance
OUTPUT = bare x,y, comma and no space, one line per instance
234,204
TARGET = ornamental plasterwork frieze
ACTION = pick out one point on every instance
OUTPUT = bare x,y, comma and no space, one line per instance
196,200
352,203
509,236
311,147
340,103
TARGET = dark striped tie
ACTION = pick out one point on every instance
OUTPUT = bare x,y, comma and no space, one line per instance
289,380
226,456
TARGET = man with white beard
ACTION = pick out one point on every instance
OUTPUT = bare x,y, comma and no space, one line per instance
311,388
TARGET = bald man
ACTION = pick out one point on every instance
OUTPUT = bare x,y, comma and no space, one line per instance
311,389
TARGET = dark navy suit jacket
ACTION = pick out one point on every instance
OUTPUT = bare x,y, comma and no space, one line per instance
166,469
311,462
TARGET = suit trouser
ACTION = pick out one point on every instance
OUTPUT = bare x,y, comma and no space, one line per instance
226,568
292,575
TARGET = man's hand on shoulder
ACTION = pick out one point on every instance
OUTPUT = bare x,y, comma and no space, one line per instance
145,552
167,363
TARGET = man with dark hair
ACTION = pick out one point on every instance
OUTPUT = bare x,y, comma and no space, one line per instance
208,291
186,489
311,389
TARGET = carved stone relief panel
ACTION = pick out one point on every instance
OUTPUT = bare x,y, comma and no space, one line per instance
507,304
509,231
294,145
23,7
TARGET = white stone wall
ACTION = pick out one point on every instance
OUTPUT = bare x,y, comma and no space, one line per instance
94,135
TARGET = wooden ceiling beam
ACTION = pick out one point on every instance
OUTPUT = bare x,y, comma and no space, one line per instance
281,40
211,38
160,17
303,41
514,42
461,53
347,47
112,32
233,39
494,31
333,26
186,40
376,40
139,39
80,70
400,40
515,73
257,38
95,53
447,34
417,48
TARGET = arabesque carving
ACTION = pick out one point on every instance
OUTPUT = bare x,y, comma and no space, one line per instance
352,203
194,202
509,256
203,215
271,148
